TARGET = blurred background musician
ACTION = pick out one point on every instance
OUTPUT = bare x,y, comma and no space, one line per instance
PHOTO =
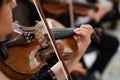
96,18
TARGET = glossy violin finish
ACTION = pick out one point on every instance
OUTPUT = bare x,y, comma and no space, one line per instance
79,8
23,60
29,56
29,48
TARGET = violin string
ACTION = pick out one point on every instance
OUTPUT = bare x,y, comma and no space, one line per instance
65,73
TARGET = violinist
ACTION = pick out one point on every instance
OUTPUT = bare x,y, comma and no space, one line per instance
107,47
82,38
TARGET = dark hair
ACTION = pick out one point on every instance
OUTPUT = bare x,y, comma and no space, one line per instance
1,1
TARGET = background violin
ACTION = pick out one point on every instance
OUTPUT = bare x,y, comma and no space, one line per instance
79,8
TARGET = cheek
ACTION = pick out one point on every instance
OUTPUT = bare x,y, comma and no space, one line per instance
6,27
6,18
6,30
6,15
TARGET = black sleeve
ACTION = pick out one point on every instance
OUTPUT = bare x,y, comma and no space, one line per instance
43,73
3,51
42,76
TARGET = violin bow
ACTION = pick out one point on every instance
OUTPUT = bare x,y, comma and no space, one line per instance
52,40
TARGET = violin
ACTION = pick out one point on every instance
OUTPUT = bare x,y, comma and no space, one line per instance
79,8
28,51
30,46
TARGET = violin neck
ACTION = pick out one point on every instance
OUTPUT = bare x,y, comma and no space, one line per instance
60,33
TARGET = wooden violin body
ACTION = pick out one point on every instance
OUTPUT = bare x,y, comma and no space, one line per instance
25,59
79,8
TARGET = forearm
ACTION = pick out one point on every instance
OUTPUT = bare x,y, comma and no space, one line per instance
83,42
57,70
